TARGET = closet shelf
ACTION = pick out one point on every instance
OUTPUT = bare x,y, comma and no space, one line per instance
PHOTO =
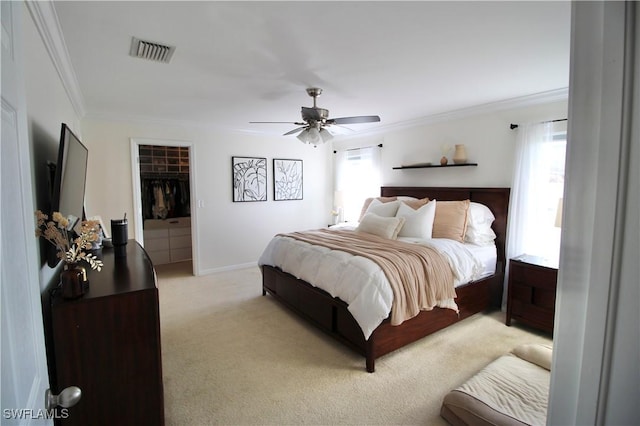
163,159
436,166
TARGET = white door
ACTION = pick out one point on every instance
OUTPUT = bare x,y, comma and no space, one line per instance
24,367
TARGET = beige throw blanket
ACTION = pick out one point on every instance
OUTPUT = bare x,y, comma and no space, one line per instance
419,276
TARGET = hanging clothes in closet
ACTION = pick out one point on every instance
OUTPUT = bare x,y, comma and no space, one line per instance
165,197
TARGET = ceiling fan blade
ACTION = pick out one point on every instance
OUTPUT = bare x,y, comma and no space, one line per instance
339,129
354,120
277,122
294,131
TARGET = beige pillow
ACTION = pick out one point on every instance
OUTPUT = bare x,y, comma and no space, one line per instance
386,227
538,354
416,204
451,220
368,201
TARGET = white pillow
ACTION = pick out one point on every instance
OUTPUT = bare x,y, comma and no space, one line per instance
418,223
383,209
480,215
386,227
479,226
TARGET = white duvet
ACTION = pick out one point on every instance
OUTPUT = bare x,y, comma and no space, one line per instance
356,280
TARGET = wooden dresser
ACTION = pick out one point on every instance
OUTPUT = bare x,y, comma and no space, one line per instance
108,344
532,292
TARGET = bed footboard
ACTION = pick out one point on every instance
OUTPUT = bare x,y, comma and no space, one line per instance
332,316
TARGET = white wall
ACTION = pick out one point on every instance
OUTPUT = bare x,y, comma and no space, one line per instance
228,234
48,106
488,139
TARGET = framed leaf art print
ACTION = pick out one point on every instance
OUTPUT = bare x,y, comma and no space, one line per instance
249,176
287,179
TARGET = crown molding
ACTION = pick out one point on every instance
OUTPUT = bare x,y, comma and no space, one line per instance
512,103
550,96
46,21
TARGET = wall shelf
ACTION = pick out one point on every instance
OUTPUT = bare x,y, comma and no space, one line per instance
425,166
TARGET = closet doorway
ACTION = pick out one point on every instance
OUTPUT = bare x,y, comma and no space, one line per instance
163,203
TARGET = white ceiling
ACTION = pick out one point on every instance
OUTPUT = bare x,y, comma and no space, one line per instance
237,62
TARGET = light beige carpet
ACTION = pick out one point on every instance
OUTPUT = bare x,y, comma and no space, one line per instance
232,357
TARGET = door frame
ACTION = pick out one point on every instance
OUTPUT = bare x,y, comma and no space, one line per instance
137,193
25,375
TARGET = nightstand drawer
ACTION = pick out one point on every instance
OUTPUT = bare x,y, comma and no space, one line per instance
545,298
533,276
533,315
521,292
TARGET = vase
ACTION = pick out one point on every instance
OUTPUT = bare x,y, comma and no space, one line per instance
443,161
73,280
460,154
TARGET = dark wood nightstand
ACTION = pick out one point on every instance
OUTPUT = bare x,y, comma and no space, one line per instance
532,291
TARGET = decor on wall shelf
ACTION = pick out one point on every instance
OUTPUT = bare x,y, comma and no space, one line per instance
249,176
445,148
460,154
287,179
435,166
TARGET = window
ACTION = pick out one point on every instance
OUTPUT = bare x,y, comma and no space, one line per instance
537,191
357,178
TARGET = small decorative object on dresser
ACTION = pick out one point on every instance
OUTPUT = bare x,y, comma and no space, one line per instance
443,161
532,291
58,231
460,154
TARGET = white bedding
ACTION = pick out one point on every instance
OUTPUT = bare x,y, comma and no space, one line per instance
359,281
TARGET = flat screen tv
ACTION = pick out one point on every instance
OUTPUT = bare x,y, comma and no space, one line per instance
70,178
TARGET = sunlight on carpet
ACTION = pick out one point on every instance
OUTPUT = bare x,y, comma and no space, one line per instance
233,356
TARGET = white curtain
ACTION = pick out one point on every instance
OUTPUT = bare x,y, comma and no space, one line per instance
357,178
536,193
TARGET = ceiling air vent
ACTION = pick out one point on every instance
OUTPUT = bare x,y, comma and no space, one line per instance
151,50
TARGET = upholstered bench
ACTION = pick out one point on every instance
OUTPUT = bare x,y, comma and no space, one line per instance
512,390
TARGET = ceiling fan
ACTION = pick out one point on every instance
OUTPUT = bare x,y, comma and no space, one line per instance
315,121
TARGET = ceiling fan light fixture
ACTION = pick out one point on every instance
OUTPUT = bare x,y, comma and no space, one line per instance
314,135
304,136
325,135
314,120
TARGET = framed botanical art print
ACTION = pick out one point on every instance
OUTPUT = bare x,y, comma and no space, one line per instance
287,179
249,176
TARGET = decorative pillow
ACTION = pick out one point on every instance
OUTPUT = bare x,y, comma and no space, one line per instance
386,227
388,209
451,220
418,223
415,203
479,225
368,201
535,353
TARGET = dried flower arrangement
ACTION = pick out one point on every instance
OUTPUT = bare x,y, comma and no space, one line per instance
55,231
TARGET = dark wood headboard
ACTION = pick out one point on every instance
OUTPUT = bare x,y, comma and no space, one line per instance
497,199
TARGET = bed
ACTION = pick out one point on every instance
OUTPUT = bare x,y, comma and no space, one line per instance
332,315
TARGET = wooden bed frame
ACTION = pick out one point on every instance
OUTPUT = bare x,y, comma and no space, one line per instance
332,316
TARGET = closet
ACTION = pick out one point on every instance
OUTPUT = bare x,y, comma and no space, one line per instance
166,205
